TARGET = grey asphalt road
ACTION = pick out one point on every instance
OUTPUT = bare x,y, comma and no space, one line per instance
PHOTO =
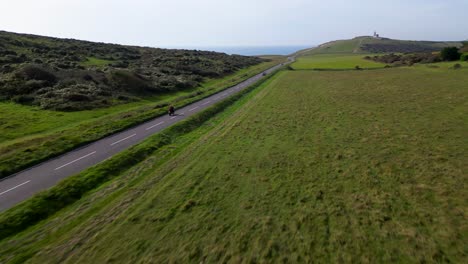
22,185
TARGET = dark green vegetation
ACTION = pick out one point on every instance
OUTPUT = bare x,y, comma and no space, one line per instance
464,52
465,47
464,57
379,45
350,166
405,59
447,54
450,54
66,74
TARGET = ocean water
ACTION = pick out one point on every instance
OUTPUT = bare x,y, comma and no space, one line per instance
252,50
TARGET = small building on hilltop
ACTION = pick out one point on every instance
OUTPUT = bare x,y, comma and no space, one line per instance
377,36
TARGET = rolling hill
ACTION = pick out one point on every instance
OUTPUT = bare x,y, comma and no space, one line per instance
367,44
68,74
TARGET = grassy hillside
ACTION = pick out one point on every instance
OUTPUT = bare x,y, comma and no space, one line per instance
351,166
362,53
367,44
66,74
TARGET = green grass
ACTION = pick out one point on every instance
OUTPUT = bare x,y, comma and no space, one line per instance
19,122
92,61
30,135
351,166
334,62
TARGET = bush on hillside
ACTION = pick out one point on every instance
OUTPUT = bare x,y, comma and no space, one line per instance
465,47
397,47
405,59
126,71
35,72
130,81
450,54
464,57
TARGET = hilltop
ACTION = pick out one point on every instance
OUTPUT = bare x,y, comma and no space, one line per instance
368,44
68,74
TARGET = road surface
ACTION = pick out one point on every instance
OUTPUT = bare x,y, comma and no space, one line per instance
22,185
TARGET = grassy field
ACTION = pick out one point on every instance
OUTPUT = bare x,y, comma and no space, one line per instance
352,166
334,61
29,134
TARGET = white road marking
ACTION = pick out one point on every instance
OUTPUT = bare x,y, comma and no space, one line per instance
190,110
87,155
118,141
11,189
207,102
148,128
173,117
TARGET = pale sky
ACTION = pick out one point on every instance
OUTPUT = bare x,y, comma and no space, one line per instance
179,23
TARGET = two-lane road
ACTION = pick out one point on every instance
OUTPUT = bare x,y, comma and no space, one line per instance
22,185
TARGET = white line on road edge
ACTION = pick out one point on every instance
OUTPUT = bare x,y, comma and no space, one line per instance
148,128
207,102
173,117
118,141
190,110
75,160
11,189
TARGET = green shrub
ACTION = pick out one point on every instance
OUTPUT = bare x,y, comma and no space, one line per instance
450,54
23,99
464,57
129,81
35,72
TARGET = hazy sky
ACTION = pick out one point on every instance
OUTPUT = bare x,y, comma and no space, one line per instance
238,22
